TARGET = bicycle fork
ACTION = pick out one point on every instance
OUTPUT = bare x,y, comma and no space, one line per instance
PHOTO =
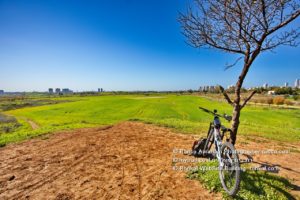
218,145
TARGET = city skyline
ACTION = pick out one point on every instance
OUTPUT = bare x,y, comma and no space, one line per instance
202,87
117,46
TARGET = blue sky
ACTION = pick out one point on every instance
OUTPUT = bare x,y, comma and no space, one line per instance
116,45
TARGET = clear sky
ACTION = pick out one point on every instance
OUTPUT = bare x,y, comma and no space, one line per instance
116,45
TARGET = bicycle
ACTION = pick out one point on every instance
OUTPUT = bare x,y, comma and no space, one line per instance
227,156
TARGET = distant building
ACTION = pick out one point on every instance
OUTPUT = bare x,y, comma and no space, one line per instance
57,90
271,92
286,84
1,92
66,90
203,88
211,88
297,83
207,88
265,85
50,90
100,89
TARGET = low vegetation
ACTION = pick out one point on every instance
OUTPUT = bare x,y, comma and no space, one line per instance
254,184
8,124
277,100
16,102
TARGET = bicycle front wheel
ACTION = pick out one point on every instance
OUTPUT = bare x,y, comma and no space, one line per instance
229,171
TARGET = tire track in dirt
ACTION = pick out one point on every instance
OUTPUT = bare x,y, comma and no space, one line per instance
51,176
33,125
49,179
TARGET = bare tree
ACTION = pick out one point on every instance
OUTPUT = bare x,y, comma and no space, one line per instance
243,27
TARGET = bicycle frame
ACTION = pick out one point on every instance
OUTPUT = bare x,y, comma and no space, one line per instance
217,131
218,144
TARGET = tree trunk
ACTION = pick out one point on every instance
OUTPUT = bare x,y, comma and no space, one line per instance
235,123
237,106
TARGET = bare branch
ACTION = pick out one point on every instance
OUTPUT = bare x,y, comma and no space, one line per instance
248,99
284,23
288,38
239,26
233,64
226,95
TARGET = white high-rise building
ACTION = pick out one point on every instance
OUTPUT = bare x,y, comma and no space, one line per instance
297,83
265,85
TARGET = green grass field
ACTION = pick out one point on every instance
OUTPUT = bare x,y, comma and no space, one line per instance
176,111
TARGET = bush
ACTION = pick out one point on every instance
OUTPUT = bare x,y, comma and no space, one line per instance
285,90
288,102
7,119
269,101
278,100
295,97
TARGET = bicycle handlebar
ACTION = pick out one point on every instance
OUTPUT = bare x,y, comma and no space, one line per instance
227,117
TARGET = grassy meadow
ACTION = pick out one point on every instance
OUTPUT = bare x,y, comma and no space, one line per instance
175,111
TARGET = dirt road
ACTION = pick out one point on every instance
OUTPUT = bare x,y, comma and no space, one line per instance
127,161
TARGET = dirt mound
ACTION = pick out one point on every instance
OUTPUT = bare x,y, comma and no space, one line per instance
127,161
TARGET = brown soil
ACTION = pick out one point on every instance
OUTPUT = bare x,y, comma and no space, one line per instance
127,161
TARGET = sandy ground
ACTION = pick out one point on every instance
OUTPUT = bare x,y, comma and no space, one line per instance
130,160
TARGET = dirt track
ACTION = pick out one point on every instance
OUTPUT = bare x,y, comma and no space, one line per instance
126,161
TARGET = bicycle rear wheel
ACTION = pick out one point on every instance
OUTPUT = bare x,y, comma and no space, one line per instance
229,173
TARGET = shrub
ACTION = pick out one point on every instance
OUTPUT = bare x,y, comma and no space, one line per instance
278,100
266,100
295,97
7,119
269,101
288,102
285,90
